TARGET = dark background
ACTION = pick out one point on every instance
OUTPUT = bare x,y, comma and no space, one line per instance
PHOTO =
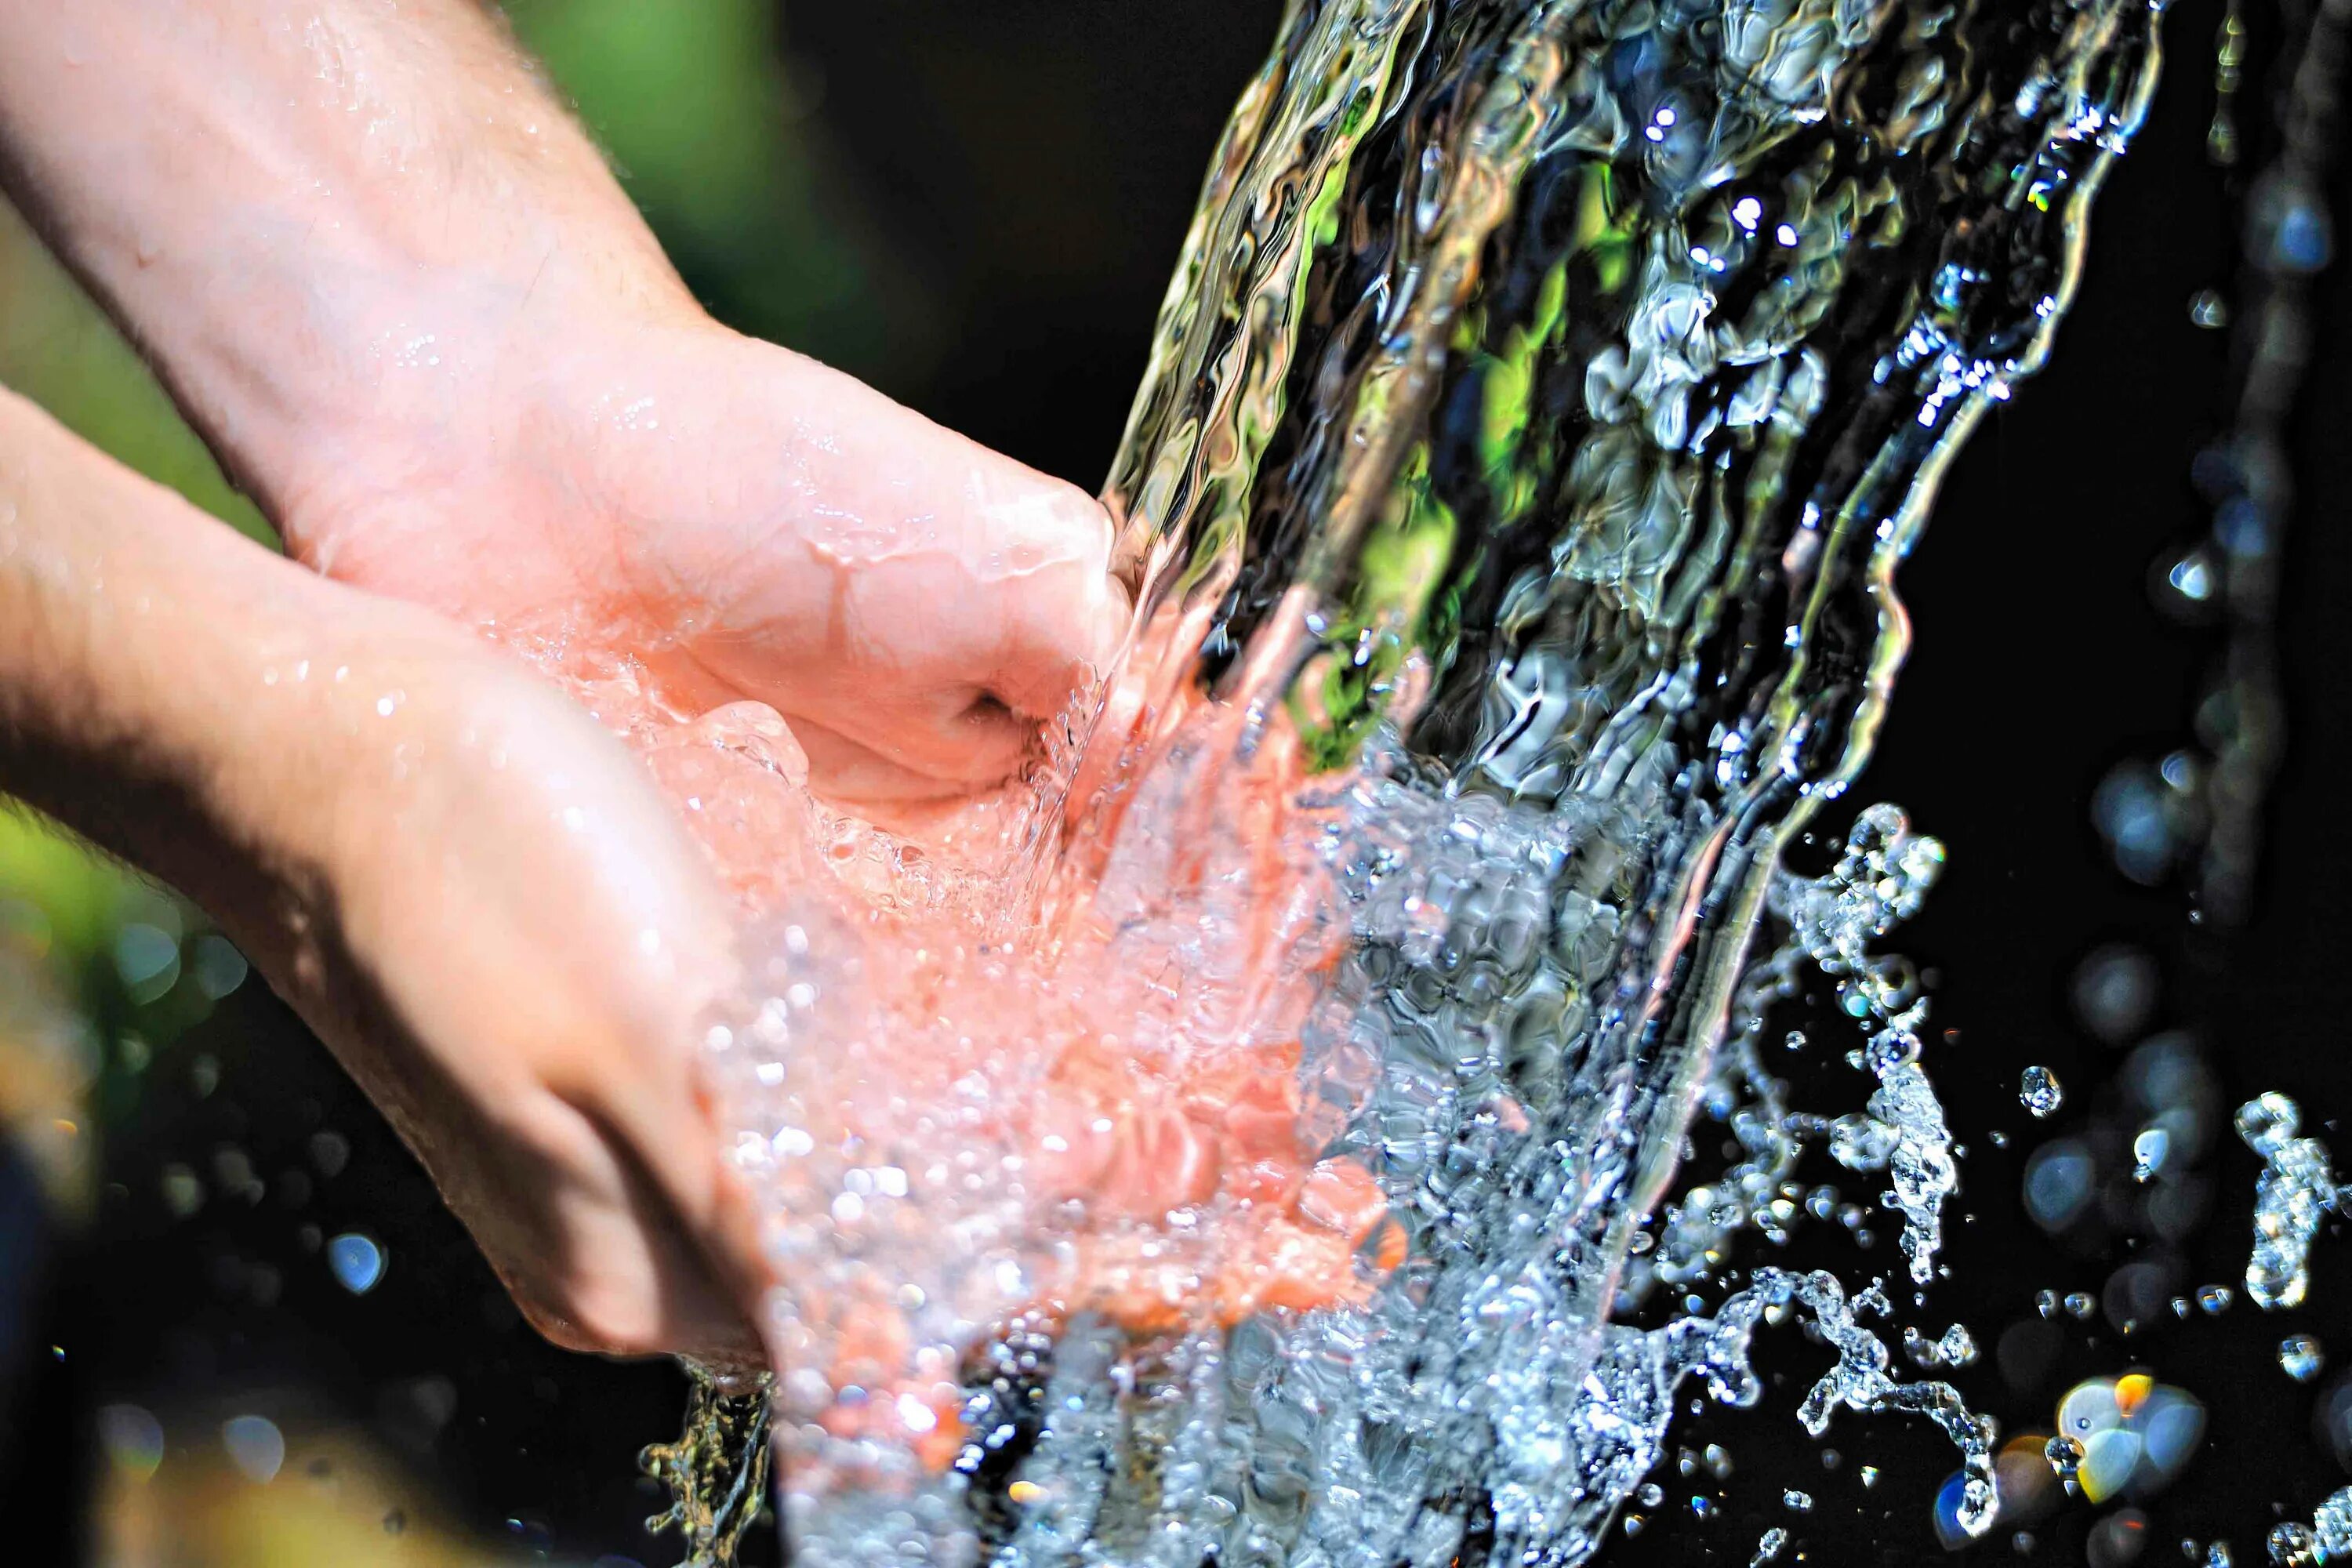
1029,166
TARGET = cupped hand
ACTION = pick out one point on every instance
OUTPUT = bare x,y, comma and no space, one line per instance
509,940
745,523
472,891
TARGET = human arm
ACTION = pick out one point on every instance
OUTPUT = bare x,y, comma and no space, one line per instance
399,292
466,889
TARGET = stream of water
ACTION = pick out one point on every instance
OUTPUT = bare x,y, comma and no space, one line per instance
1242,1160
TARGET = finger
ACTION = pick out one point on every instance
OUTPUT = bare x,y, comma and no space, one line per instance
967,752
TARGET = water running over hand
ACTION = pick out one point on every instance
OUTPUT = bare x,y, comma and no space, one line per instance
1231,1141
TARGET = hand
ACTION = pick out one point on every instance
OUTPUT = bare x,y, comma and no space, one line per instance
467,888
749,525
403,297
509,944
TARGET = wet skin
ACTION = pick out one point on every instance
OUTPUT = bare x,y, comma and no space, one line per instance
406,302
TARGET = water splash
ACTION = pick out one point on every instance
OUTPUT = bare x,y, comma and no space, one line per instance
1547,396
1881,880
2327,1539
2295,1191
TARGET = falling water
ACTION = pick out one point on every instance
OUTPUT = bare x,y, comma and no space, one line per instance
1547,395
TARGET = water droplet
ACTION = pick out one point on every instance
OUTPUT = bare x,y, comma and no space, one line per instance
329,1152
2208,309
147,961
2293,1546
1862,1142
357,1261
2039,1092
255,1445
2332,1524
2268,1121
132,1438
2301,1357
2059,1183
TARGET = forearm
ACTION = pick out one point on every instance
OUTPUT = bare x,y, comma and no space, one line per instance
320,219
169,688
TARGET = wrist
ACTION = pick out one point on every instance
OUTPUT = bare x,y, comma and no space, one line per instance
423,376
320,219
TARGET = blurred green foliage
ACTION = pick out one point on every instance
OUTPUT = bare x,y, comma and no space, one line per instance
707,120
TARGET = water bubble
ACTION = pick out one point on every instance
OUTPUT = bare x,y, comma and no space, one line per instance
2039,1092
2193,578
2332,1524
1890,1049
2266,1121
132,1438
2133,810
2293,1546
331,1151
1652,1494
255,1445
357,1261
1950,1500
146,960
2301,240
2059,1179
2208,308
218,967
2148,1150
1797,1501
2301,1357
2218,1556
2295,1190
184,1194
1862,1142
1767,1547
2079,1305
2214,1300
